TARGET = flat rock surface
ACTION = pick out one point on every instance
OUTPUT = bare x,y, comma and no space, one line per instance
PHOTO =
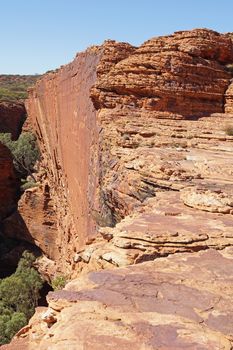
179,302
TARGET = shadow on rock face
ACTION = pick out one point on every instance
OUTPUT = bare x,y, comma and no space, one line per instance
15,238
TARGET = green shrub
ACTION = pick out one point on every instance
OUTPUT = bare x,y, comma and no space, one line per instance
59,282
10,324
25,152
19,296
28,184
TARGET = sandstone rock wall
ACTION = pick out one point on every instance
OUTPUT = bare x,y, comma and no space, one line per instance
183,73
8,184
229,99
120,124
65,121
12,117
145,172
12,224
41,231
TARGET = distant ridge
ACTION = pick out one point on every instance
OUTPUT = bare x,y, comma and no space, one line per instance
14,87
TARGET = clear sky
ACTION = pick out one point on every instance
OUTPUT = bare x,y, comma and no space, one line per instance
39,35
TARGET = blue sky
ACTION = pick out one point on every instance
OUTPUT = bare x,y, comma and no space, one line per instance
39,35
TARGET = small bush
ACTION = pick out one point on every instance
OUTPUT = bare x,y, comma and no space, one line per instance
11,324
229,130
19,294
59,282
28,184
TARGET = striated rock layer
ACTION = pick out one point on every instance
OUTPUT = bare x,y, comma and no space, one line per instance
137,165
120,124
182,73
65,121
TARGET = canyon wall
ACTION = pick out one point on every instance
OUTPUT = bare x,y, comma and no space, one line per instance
12,117
109,124
136,170
9,185
65,121
12,225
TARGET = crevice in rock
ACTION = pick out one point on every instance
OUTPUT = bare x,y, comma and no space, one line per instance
153,256
161,187
43,294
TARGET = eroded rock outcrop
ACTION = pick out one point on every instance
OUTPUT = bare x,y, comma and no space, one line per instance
120,124
229,99
183,73
137,165
12,117
9,185
9,195
23,225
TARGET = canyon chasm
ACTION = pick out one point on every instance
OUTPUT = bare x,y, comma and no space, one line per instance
134,203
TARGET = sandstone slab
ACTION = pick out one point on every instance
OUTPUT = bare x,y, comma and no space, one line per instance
179,302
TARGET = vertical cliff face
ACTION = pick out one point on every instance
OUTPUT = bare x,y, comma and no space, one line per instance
229,99
64,118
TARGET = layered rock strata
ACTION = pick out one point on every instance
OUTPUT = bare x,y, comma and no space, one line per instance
65,121
120,125
182,73
137,165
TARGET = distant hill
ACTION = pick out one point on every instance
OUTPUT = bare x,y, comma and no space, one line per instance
14,87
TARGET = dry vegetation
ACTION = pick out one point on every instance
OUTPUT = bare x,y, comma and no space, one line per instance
14,87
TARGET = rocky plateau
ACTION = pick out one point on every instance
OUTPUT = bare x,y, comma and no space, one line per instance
135,198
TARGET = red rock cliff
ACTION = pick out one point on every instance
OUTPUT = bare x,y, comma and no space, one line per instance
65,121
151,154
8,184
103,123
12,117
